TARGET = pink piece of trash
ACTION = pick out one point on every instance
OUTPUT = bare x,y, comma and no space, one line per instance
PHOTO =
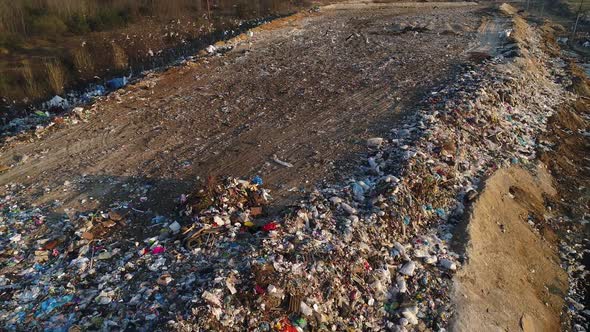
158,250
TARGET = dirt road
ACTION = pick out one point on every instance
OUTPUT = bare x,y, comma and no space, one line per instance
309,91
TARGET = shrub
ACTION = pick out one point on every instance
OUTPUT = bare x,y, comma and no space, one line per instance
106,19
78,24
4,85
31,87
10,41
120,59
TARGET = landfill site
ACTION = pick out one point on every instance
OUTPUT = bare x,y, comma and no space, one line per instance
354,166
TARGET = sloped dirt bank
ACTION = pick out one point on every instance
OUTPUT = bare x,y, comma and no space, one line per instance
513,277
528,237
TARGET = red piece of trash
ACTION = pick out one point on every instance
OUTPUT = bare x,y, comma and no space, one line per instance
286,326
271,226
158,250
259,290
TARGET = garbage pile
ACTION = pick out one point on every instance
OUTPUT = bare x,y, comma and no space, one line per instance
355,256
228,207
573,252
65,273
44,258
369,254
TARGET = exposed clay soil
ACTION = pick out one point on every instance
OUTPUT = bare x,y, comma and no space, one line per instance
513,279
309,89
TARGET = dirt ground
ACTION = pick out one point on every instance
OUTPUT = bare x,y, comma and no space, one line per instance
308,91
513,279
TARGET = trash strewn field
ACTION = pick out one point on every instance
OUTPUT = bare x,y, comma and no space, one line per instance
324,172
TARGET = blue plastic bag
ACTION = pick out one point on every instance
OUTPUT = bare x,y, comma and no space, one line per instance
117,83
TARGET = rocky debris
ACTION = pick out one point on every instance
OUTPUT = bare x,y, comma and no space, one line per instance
369,254
405,28
211,49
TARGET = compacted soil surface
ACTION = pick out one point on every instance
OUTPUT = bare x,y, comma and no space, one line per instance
306,90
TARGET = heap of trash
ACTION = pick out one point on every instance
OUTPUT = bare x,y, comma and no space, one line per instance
370,254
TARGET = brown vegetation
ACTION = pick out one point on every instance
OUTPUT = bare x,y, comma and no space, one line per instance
83,62
120,58
32,88
94,38
56,76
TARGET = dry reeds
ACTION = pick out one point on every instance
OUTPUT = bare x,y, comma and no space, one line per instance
56,76
32,87
83,62
120,58
12,17
169,9
15,15
67,8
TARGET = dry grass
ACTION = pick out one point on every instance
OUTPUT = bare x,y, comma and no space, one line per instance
66,8
168,8
83,62
12,16
550,44
32,88
120,58
56,76
15,15
507,9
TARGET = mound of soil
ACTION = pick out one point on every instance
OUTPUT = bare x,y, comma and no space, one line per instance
513,277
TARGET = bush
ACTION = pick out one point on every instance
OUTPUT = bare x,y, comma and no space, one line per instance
107,19
77,24
83,62
120,58
10,41
4,85
32,88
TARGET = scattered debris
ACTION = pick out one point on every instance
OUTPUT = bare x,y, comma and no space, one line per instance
369,254
280,162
